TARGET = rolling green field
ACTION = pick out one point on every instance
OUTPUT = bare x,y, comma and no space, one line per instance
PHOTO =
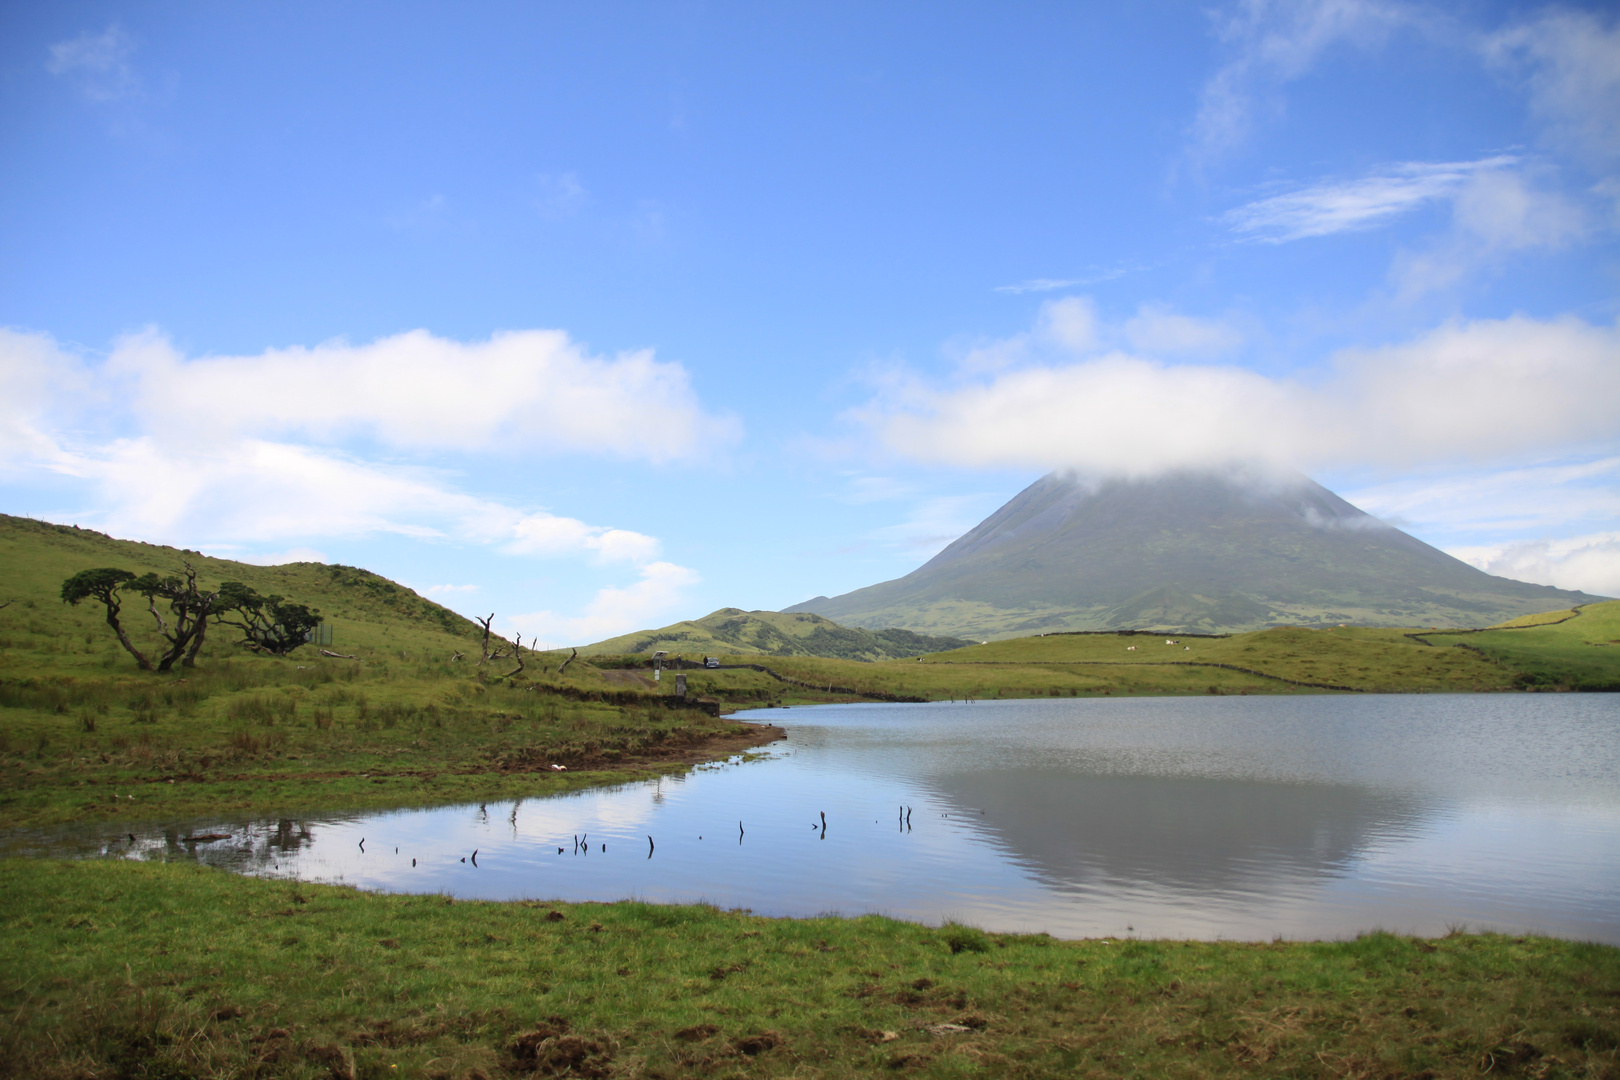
122,969
1563,651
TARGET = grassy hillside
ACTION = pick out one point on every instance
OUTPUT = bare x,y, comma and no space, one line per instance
84,734
773,633
1579,648
1546,654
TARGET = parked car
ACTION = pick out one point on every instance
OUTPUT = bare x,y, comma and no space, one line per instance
711,661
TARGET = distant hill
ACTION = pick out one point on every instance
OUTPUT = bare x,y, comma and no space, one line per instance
1189,552
772,633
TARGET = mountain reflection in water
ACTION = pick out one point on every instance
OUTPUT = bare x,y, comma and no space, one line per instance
1304,817
1185,834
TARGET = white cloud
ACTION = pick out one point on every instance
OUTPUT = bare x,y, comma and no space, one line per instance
1570,61
1041,285
99,63
1273,42
1487,390
1091,277
174,476
40,381
1507,213
1472,504
519,389
1588,563
646,604
545,534
1496,214
1336,206
1157,330
266,492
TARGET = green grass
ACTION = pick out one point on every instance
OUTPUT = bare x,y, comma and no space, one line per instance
1281,660
150,970
1564,650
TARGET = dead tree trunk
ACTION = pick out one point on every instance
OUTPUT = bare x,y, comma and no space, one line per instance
499,653
517,651
566,662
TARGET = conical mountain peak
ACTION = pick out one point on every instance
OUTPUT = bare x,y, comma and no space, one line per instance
1188,550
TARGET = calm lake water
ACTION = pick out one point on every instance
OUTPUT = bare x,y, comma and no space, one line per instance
1224,817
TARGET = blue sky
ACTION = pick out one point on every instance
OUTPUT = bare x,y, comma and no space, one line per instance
600,318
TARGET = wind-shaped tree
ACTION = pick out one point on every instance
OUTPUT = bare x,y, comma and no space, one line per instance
189,609
103,584
270,624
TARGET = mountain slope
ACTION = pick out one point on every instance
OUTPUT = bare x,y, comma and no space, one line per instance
1185,551
772,633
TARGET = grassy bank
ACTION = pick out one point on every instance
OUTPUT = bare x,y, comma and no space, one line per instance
146,970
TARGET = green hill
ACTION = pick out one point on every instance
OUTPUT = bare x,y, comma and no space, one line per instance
364,610
1185,552
396,720
771,633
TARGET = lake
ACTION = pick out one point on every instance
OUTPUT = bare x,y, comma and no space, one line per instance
1220,817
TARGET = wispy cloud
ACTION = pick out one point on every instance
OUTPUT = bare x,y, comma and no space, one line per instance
1271,43
98,63
561,195
1092,277
1338,206
934,523
1534,499
1570,63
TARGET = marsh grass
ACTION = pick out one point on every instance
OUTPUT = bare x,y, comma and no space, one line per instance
128,969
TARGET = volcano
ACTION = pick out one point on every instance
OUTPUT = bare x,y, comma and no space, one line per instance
1184,552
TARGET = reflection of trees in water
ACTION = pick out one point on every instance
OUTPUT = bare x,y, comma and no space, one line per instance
1193,834
248,846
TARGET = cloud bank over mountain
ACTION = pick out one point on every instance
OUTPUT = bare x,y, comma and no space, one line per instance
1485,390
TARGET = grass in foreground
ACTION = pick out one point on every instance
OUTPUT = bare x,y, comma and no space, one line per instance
173,971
